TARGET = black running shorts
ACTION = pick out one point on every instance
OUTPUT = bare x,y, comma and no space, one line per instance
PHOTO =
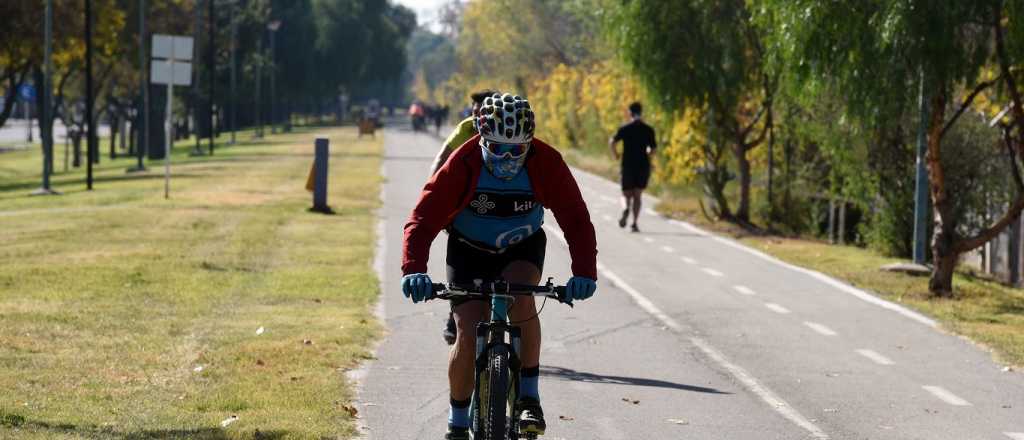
467,261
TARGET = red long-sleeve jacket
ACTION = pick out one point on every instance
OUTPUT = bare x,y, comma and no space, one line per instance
451,189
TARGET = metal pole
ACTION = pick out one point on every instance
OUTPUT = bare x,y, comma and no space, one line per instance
259,86
46,127
197,75
212,67
921,180
273,81
168,130
91,132
234,45
143,148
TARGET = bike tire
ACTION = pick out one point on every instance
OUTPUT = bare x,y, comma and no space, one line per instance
496,417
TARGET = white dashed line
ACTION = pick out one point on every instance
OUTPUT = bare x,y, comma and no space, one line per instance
820,328
668,249
874,356
946,396
712,272
1015,435
744,290
688,260
776,308
767,395
649,239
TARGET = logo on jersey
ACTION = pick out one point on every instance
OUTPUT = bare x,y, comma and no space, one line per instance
514,236
481,204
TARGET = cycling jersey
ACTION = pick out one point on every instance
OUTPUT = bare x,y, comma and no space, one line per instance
454,187
502,212
459,136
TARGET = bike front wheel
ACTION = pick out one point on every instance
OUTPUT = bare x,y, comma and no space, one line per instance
495,416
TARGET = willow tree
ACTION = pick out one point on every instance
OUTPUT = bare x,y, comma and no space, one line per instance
883,53
703,54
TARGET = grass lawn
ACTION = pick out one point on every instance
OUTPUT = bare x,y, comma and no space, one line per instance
125,315
985,311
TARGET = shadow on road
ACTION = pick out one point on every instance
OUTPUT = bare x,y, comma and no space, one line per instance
573,375
94,431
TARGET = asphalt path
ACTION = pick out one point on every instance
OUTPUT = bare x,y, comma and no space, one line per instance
689,336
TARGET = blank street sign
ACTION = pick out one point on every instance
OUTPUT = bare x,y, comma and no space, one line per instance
169,46
161,73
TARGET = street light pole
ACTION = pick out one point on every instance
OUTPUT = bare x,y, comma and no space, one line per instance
273,26
259,87
213,67
46,123
143,131
90,138
234,46
921,180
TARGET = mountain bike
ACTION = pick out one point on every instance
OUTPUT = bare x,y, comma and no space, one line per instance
493,412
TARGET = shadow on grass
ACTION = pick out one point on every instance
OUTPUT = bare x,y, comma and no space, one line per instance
573,375
17,422
33,184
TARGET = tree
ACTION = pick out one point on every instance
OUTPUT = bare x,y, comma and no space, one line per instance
703,54
879,53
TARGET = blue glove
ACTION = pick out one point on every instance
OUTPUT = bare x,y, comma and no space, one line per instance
579,288
417,286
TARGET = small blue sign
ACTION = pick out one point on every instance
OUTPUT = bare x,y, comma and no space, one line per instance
27,92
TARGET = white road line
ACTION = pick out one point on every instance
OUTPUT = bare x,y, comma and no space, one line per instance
843,287
712,272
776,308
751,383
689,260
820,328
668,249
744,290
767,395
1015,435
946,396
874,356
649,239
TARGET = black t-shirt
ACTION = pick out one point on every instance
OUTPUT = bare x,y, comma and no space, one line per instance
636,137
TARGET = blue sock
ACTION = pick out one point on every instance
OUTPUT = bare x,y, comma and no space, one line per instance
458,413
529,379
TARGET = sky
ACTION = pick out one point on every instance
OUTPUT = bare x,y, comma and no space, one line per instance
425,10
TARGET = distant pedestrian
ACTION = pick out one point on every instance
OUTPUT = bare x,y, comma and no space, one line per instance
638,144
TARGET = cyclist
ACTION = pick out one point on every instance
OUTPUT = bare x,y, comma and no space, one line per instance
490,195
465,130
638,144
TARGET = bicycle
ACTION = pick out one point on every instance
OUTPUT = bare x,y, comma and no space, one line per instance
497,355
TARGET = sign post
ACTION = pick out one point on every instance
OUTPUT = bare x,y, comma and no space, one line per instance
170,65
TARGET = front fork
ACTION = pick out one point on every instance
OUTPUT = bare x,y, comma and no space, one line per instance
489,335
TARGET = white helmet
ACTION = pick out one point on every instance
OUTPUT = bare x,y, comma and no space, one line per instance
505,119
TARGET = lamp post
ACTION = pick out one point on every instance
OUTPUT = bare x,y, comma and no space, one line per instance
91,123
273,26
234,46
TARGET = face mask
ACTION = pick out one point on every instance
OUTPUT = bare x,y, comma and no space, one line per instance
504,161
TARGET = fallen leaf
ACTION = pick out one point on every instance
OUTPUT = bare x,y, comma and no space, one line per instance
628,400
567,418
259,331
678,421
352,411
260,362
294,378
224,423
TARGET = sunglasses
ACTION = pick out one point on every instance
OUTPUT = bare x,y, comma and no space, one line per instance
498,149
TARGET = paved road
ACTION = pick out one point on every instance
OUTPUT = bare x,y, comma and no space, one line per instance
710,339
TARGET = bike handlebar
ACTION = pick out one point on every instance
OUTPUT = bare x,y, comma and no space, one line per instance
481,289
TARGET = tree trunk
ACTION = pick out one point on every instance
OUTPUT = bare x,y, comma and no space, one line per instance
76,140
743,164
115,128
941,282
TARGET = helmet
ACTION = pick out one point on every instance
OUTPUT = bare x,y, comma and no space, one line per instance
505,119
505,124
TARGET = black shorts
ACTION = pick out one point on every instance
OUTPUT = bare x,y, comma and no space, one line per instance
467,262
635,177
